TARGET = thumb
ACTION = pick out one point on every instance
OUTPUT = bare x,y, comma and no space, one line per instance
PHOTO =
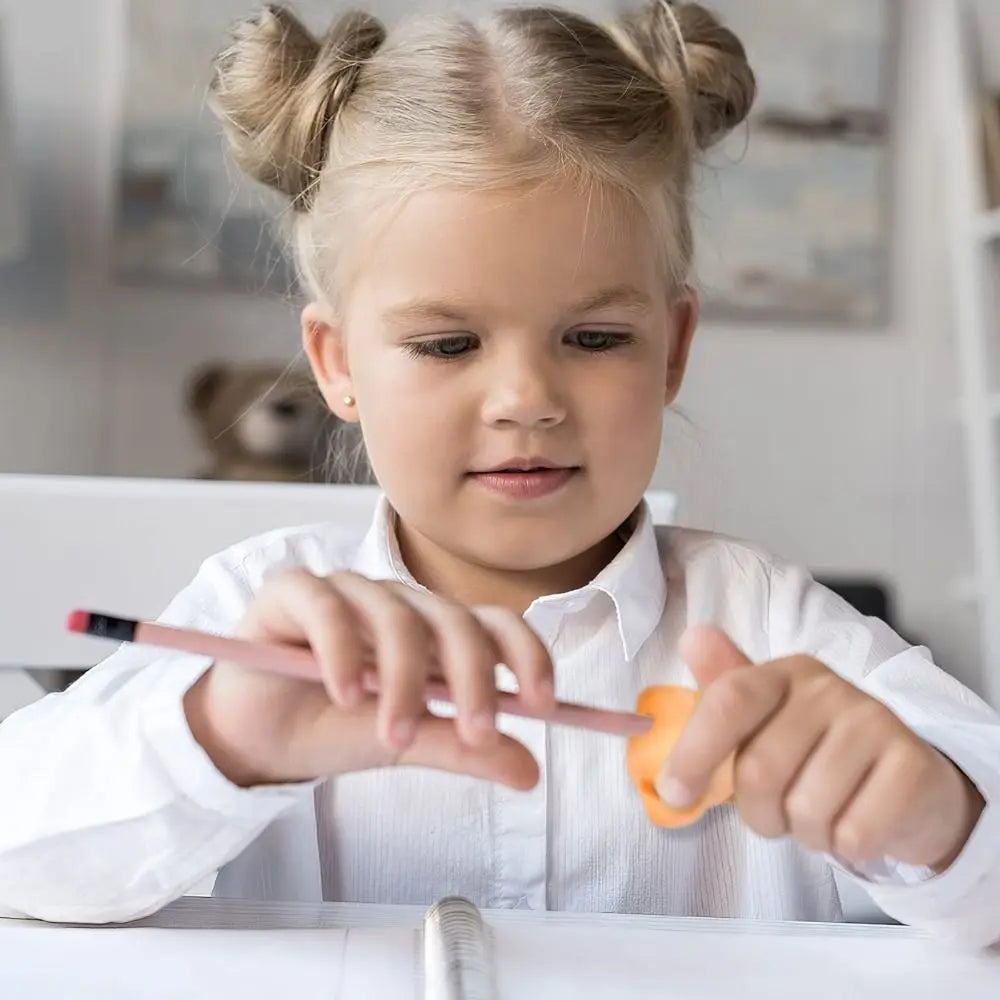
710,653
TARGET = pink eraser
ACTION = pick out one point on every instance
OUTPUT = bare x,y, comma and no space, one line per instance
78,621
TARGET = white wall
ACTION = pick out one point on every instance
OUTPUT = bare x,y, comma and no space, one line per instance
842,450
837,449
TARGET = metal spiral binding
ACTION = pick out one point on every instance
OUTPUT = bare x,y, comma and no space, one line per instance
458,953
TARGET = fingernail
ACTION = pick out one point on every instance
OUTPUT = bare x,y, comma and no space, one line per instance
675,793
403,732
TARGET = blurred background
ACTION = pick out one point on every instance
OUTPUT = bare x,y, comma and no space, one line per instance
839,407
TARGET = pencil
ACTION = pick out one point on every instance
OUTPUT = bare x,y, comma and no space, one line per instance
297,662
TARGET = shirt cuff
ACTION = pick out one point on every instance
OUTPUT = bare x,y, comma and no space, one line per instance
165,726
884,871
962,902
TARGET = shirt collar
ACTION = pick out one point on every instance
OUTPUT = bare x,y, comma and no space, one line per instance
378,557
633,580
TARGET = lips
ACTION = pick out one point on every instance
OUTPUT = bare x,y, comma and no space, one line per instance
526,479
526,465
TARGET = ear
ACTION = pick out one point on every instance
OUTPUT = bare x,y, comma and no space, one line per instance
203,386
684,313
323,342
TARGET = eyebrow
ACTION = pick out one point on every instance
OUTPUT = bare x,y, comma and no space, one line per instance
417,310
627,296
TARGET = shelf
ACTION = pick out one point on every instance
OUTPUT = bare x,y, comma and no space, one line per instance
965,411
987,225
965,590
970,590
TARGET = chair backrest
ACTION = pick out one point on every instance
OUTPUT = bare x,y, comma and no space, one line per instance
126,546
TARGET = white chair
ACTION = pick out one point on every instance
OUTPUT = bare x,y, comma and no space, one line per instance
126,546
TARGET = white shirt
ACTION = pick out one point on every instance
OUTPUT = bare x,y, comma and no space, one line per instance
111,809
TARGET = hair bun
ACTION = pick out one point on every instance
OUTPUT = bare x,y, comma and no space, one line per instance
278,89
722,81
683,43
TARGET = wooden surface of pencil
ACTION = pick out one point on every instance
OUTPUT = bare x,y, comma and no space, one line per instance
298,662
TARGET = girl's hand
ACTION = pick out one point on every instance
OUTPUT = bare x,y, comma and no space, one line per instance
818,759
263,728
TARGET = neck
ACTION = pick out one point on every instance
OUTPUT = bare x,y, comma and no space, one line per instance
472,583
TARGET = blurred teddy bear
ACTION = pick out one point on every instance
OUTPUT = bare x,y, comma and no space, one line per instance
261,422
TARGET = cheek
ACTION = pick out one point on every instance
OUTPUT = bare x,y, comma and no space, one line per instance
407,413
627,411
630,443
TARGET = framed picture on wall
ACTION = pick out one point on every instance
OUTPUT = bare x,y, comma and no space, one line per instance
794,211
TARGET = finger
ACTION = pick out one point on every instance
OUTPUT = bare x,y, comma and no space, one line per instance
523,651
402,647
879,809
346,742
730,711
827,782
710,653
298,607
438,745
769,762
467,656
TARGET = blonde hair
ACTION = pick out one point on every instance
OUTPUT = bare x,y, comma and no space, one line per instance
349,124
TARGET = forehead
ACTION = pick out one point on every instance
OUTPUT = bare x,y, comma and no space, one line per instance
539,246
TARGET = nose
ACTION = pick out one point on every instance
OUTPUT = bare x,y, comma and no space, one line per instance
524,392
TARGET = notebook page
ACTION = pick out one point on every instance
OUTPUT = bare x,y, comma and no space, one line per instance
54,963
606,962
381,964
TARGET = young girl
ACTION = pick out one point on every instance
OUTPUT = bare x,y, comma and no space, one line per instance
492,221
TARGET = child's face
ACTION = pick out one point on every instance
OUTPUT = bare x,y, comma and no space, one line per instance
488,331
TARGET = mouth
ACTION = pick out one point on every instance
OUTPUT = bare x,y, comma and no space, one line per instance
526,479
525,465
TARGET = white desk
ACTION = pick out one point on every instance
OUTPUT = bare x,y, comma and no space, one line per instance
213,948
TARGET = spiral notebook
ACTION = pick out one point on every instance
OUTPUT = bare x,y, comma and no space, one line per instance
251,951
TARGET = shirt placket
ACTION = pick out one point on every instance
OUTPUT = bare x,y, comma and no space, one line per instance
521,818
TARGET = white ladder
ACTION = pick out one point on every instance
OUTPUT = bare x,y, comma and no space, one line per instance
973,236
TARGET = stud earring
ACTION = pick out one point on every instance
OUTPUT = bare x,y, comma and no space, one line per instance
349,401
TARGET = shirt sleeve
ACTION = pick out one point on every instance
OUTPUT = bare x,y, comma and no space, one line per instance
963,902
111,808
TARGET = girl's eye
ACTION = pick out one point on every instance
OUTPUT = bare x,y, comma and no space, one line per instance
446,348
600,340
